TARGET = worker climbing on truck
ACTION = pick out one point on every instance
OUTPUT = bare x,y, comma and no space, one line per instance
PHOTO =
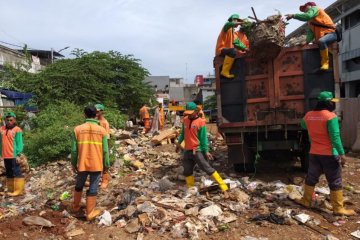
194,134
326,153
321,28
229,43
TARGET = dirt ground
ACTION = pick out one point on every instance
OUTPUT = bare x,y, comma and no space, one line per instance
268,170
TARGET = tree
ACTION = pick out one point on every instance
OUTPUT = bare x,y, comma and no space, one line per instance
210,102
110,78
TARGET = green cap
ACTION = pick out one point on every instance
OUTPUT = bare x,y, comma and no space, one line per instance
190,108
234,16
327,96
99,107
10,114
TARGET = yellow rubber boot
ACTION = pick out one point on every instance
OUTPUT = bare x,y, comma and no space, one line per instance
324,54
105,180
10,184
190,181
19,184
307,197
337,201
228,62
220,181
91,211
77,200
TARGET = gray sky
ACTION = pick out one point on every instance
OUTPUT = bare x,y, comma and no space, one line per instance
167,35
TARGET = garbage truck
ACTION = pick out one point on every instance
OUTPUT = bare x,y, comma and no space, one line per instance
260,109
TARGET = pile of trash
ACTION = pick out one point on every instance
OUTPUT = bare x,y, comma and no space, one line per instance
147,193
267,37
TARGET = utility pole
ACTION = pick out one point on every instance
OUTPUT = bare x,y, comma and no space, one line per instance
52,55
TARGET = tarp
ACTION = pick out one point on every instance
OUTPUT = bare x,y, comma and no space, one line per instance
16,95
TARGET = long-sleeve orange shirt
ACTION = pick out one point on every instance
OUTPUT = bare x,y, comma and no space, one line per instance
11,142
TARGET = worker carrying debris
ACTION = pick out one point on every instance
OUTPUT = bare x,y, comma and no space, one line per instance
105,178
11,148
326,153
145,117
89,157
321,27
229,43
194,134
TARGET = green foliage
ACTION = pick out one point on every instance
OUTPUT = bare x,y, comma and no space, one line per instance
111,78
210,102
50,139
115,118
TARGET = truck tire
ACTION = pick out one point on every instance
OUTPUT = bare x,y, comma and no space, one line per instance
305,162
244,168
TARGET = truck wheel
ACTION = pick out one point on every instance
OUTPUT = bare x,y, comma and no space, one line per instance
305,162
244,168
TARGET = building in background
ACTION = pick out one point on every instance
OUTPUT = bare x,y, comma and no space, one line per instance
346,13
159,83
206,87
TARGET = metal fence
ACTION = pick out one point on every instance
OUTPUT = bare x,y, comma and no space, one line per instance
350,108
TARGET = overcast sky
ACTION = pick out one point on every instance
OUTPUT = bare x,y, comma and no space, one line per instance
171,37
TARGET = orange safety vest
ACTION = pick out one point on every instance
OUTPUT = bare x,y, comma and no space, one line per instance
225,40
243,38
105,124
323,19
316,123
144,113
89,140
161,117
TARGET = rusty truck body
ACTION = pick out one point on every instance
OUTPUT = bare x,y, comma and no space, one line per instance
259,110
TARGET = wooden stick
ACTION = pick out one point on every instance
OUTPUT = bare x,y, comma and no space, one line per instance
252,9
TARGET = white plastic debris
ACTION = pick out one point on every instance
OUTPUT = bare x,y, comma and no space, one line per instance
105,219
323,190
211,211
302,217
39,221
356,234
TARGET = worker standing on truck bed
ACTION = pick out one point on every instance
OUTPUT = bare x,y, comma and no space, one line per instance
194,134
321,28
326,153
228,43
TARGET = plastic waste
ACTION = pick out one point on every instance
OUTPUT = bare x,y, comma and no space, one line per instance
105,219
128,198
273,218
65,195
39,221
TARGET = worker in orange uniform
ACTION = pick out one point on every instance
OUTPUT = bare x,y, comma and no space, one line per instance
12,147
105,178
326,153
194,134
161,117
145,117
228,44
89,157
321,28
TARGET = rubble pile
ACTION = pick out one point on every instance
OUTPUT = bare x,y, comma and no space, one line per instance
267,37
147,193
